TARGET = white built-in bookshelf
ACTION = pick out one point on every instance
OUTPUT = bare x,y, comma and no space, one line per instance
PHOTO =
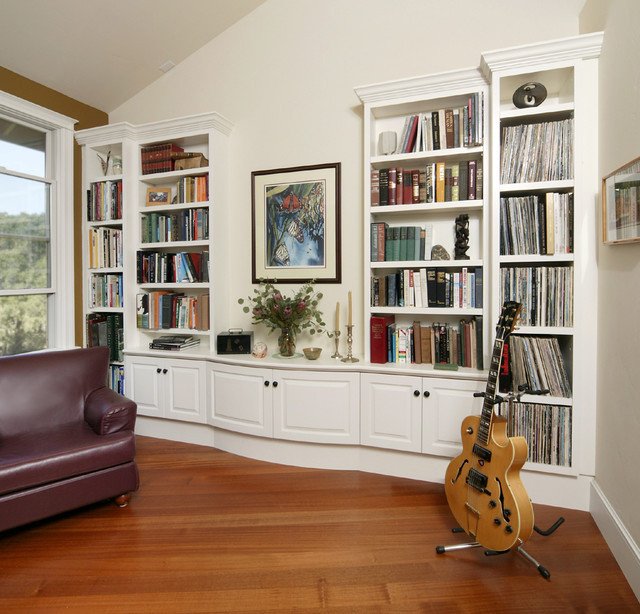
413,195
543,230
169,221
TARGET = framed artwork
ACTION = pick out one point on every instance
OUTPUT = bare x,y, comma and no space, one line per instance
158,196
621,204
295,222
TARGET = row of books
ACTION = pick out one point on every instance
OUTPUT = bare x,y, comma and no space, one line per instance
159,158
400,243
537,224
537,362
627,210
105,290
105,329
164,309
193,189
436,182
546,293
417,343
182,225
180,267
105,248
104,201
429,287
445,128
537,152
174,342
547,429
115,378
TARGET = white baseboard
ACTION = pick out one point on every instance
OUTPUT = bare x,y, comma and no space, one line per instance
624,548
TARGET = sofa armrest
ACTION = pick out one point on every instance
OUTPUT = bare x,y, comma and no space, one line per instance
106,412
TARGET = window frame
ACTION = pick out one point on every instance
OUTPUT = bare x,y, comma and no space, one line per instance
59,131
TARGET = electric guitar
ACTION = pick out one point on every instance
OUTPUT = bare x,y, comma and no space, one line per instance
483,486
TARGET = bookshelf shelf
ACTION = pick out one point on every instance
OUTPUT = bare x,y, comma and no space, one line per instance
444,207
463,153
423,264
565,282
440,172
201,138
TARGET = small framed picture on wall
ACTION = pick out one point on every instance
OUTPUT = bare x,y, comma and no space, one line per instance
621,204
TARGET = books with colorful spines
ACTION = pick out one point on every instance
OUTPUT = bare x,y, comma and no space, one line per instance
393,185
159,152
375,187
383,182
473,176
440,182
379,338
435,129
432,287
407,187
400,172
448,123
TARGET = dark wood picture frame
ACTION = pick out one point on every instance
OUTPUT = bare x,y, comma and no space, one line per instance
295,224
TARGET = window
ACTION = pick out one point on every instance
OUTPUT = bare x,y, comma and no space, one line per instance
36,222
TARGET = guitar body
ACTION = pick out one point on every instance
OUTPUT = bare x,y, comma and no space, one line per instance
484,490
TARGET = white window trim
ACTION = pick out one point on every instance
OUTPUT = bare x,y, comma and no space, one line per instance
59,172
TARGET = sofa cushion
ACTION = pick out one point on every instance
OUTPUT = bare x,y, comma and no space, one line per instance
47,389
45,456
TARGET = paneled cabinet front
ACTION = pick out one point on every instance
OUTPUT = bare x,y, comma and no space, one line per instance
312,406
167,388
316,406
240,399
416,414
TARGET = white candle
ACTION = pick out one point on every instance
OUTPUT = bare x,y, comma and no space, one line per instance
350,322
337,316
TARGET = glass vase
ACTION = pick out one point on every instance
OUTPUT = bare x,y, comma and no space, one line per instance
287,342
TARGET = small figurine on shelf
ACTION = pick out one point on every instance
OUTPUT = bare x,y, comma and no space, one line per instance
462,237
104,162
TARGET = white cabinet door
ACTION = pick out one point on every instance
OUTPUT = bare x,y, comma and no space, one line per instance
316,406
391,411
449,401
143,381
167,388
185,390
240,399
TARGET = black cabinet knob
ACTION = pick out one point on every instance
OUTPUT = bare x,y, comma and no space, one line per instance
158,370
416,393
266,384
426,394
164,371
275,384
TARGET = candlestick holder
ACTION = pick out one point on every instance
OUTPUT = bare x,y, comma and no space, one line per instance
336,341
349,357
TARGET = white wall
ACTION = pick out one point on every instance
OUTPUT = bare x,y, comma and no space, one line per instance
618,423
285,76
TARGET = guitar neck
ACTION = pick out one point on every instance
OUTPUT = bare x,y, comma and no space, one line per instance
486,417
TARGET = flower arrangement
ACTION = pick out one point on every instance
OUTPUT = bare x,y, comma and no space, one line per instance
290,315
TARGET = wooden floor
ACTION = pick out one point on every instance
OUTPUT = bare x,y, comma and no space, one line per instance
213,532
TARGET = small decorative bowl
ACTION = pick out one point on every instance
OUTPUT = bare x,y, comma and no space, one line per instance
312,353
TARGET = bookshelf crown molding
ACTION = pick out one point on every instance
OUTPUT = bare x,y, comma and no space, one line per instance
424,86
583,47
164,129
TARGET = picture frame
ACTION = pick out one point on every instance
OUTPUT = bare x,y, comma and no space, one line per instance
295,224
621,205
158,196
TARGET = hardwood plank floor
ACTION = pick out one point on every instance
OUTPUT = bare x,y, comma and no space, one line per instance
213,532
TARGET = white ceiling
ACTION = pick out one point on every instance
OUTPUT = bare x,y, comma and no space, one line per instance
102,52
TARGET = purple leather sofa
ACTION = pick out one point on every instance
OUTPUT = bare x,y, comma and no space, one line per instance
66,439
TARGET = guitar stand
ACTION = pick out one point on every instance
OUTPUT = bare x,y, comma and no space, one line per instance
544,572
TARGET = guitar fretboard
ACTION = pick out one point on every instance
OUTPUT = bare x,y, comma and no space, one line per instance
484,426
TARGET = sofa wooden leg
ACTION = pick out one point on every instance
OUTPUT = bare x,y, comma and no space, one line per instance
123,500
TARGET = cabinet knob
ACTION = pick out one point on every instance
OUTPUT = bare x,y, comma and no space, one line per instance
426,394
416,393
164,371
158,370
266,384
275,384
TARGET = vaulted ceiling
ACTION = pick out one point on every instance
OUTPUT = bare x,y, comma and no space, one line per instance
102,52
